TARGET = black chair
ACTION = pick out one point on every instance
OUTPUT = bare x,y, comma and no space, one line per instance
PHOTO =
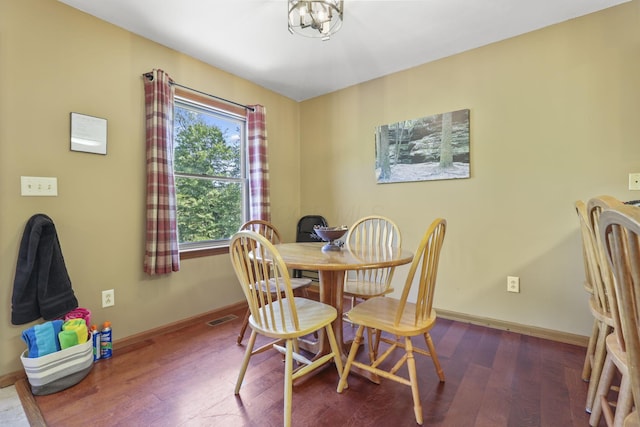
304,232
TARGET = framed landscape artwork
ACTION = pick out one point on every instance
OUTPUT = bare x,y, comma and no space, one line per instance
425,149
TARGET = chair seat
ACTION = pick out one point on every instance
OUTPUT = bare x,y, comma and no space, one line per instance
312,315
365,289
295,284
379,313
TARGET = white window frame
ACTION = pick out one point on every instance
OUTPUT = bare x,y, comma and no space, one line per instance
196,103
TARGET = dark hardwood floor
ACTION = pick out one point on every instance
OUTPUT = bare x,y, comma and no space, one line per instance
186,378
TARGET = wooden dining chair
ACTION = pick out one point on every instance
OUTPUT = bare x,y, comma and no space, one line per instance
616,357
375,234
598,302
278,315
620,234
272,234
403,319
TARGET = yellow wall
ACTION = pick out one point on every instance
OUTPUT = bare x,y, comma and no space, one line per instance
554,118
55,60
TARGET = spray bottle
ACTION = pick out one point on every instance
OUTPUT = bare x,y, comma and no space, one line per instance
95,336
105,341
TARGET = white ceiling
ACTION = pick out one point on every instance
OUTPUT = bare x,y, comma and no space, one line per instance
249,38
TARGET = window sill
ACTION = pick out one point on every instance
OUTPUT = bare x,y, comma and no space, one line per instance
200,253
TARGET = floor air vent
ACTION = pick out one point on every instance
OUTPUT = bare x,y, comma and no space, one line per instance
223,319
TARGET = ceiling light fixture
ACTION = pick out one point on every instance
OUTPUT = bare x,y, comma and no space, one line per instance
315,18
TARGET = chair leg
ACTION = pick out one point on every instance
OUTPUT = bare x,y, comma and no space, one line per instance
434,356
371,345
353,304
352,355
296,349
243,329
245,361
599,354
376,341
604,383
373,339
288,383
624,403
334,348
586,368
413,378
376,346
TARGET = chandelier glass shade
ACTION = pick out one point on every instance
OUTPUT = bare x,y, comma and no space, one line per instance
315,18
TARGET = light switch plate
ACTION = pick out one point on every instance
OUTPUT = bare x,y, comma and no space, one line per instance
38,186
634,181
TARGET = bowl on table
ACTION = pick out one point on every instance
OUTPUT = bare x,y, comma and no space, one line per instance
331,235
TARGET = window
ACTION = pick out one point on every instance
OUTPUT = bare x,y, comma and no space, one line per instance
210,172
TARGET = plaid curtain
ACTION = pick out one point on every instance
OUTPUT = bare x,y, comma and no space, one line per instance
161,246
259,205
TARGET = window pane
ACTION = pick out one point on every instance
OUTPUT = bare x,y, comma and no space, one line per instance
208,210
206,143
211,184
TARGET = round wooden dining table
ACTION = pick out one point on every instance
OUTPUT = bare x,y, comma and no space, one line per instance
331,267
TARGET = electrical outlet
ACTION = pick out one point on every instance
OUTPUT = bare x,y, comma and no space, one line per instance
108,298
513,284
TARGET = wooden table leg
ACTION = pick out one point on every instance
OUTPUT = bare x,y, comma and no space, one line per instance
331,293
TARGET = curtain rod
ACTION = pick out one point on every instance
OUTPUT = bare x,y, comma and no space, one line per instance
150,77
